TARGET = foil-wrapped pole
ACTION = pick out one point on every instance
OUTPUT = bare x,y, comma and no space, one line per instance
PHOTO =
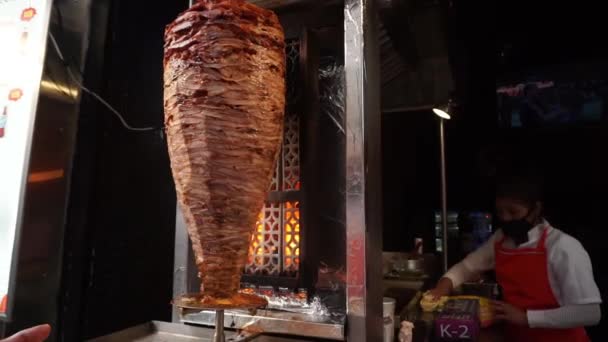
363,171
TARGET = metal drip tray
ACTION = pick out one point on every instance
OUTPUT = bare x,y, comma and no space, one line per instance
162,332
273,322
173,332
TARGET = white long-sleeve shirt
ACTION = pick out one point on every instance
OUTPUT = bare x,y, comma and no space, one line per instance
570,276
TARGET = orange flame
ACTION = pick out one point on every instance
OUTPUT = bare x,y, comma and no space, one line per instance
257,238
291,237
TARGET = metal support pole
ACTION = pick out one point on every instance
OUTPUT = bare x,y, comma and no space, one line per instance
219,327
444,200
363,172
191,2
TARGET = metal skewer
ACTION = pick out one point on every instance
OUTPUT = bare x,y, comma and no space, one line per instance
219,327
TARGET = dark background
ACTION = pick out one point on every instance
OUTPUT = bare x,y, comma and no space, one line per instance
489,44
120,230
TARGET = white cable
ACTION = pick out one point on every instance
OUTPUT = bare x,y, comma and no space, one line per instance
100,99
59,53
92,93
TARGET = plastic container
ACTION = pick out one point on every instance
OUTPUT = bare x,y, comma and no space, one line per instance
388,312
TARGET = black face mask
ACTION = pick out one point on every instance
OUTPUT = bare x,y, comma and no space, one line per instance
517,230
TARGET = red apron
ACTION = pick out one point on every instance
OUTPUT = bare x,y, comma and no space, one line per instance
523,276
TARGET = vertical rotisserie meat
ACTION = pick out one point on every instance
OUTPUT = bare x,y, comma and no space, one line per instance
224,74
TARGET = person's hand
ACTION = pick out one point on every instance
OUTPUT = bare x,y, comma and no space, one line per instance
444,288
507,312
36,334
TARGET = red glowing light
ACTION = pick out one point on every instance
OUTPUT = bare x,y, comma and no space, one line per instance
28,14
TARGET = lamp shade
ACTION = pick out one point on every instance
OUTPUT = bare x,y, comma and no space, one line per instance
444,112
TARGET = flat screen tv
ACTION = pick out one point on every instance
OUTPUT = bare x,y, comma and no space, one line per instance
552,102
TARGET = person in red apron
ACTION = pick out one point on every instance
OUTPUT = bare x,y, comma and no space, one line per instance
546,276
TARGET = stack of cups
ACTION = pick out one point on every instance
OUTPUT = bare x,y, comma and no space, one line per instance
388,308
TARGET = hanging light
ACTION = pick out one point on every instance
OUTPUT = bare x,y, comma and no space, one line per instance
444,111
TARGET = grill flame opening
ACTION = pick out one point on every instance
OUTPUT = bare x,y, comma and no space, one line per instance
275,244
